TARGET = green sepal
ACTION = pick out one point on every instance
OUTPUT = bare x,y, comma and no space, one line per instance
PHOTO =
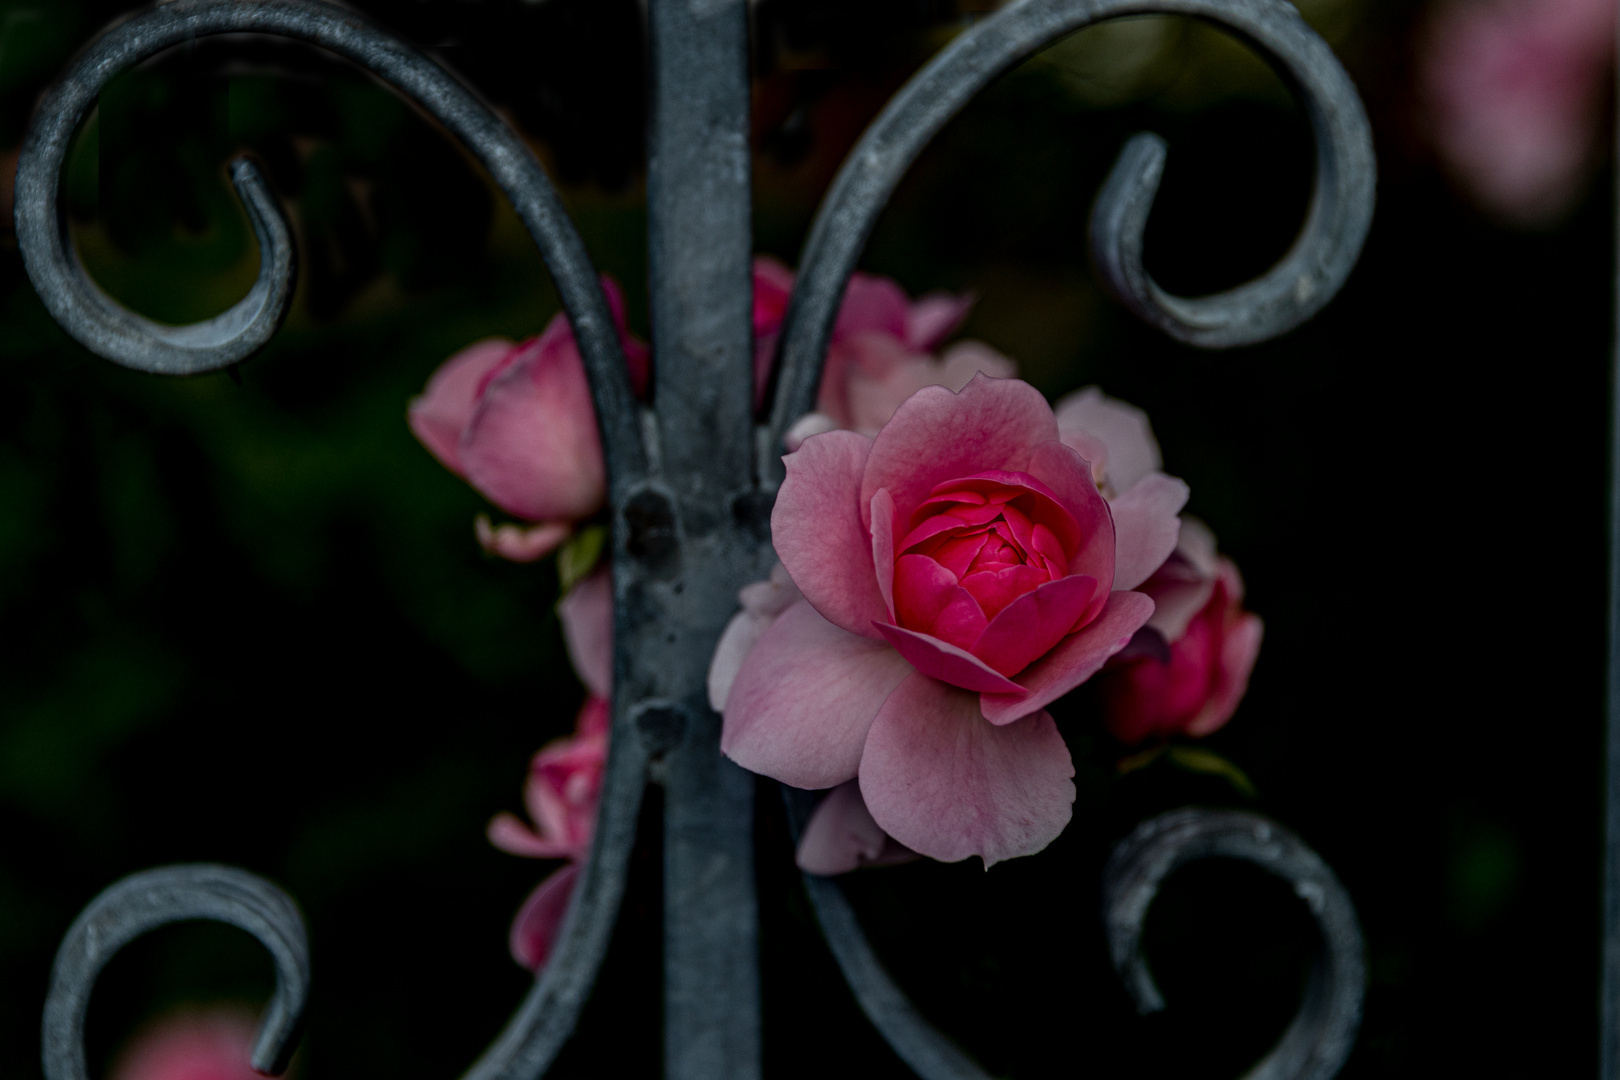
579,555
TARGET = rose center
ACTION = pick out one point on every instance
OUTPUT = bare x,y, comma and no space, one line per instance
973,547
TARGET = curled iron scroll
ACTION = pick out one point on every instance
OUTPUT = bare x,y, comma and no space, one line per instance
1315,1045
1319,1040
105,327
547,1016
145,901
1291,292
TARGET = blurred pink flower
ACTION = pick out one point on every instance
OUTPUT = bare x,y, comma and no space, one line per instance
586,613
565,783
881,351
562,795
564,789
959,573
1189,667
1515,93
517,422
211,1043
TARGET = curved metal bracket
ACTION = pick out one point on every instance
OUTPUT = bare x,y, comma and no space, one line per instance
1290,293
1315,1045
153,898
1319,1040
108,329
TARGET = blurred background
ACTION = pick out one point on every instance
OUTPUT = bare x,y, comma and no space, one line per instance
246,620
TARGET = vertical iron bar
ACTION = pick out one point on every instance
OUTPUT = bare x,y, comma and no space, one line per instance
699,210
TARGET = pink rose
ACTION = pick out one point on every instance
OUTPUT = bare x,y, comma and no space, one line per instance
960,571
562,795
1192,681
204,1044
518,423
1515,94
564,788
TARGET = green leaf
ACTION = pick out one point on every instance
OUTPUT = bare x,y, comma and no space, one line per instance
1140,760
579,556
1199,760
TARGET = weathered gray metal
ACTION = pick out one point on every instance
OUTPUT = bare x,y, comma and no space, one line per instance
1319,1040
691,479
153,898
1291,292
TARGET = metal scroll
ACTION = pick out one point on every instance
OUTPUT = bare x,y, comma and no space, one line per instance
1290,293
153,898
1316,1043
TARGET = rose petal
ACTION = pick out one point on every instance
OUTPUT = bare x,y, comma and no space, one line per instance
737,640
882,517
1239,651
948,663
799,708
1124,429
762,602
943,782
214,1042
822,535
772,596
880,373
1000,589
520,543
587,624
841,836
1030,626
871,303
1067,475
531,446
1075,659
534,931
959,363
1146,527
1176,603
1197,545
441,413
930,601
509,834
811,423
938,436
931,318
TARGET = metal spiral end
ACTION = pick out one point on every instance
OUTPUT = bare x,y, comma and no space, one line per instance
1319,1040
93,318
153,898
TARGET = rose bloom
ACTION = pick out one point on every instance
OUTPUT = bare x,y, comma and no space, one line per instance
1190,666
960,571
1515,92
212,1043
564,788
517,422
562,795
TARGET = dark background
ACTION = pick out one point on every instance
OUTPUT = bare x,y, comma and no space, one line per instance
248,623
